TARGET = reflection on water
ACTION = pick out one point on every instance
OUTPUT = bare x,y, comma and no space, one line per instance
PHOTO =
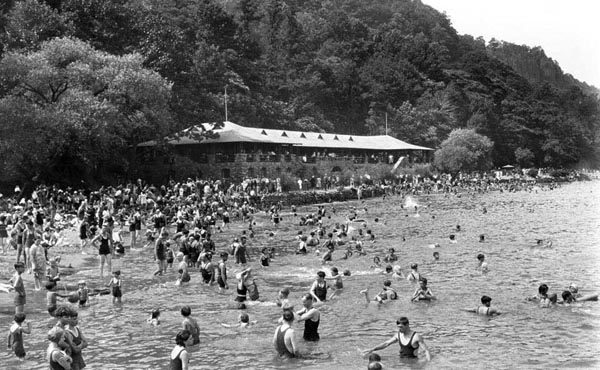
525,336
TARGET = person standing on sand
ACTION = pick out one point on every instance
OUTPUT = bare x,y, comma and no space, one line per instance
38,263
104,249
19,287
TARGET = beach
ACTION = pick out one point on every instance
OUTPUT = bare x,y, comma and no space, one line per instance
524,336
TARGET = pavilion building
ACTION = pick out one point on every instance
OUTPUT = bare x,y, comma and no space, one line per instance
237,152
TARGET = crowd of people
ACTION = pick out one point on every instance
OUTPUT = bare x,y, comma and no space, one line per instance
177,222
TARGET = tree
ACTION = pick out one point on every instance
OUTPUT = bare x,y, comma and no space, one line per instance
30,23
72,113
464,150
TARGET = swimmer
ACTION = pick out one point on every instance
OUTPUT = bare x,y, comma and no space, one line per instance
283,300
154,318
115,283
436,256
190,325
385,295
338,283
452,238
15,335
52,297
374,362
397,272
243,322
221,272
391,256
576,296
414,275
485,309
410,341
542,294
284,340
423,292
482,266
302,245
540,243
318,290
311,317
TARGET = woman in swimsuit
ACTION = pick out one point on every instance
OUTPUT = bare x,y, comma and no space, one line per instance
180,358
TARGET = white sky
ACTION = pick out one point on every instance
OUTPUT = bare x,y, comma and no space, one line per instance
568,31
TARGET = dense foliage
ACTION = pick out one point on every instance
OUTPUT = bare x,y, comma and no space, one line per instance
331,65
464,150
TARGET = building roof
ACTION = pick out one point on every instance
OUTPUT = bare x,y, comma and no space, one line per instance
233,133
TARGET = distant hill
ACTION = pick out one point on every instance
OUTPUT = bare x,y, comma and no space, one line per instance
533,64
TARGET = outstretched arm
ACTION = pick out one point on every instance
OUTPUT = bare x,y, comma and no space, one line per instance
383,345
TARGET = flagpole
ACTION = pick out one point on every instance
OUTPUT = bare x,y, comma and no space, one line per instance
225,103
386,123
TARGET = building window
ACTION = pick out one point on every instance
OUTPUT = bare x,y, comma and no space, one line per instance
278,170
225,173
251,172
336,169
263,172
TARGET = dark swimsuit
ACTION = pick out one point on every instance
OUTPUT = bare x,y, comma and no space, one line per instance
321,291
176,363
407,350
311,333
206,274
104,247
241,293
280,344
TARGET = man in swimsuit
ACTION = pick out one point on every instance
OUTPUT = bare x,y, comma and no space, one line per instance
284,340
485,308
311,317
318,290
414,275
409,341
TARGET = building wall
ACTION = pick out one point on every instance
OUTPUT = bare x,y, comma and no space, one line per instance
240,166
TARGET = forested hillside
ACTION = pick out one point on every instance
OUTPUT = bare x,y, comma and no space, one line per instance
83,81
535,65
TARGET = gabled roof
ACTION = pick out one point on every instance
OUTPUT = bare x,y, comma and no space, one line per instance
233,133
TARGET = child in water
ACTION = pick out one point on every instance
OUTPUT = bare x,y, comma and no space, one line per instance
115,283
82,293
282,299
385,295
264,257
154,318
15,335
391,256
243,322
338,284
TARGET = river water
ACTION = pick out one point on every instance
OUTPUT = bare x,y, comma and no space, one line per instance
525,336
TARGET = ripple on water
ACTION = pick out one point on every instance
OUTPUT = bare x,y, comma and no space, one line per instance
523,337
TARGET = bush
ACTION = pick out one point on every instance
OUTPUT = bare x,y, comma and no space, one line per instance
559,173
532,172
